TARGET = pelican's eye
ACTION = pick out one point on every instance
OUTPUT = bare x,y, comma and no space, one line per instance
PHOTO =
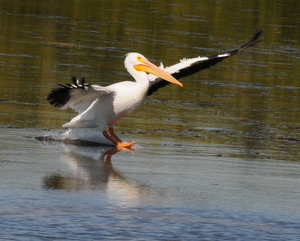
139,58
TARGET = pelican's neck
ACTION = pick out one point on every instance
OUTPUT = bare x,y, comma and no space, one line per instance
140,77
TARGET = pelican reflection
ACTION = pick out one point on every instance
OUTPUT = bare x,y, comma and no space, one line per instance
91,168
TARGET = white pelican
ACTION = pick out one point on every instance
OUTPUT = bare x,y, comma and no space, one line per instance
101,107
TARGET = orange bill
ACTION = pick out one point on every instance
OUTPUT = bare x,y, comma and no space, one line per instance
151,68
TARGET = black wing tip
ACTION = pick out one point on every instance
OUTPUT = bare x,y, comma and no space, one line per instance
60,95
79,83
254,39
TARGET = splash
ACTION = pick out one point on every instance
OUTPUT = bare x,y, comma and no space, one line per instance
76,136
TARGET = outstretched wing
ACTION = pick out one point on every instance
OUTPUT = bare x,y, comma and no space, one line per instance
78,96
190,66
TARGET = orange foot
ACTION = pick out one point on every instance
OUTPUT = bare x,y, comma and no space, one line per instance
125,144
126,148
114,150
116,140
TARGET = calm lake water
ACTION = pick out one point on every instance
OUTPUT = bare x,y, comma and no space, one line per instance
215,160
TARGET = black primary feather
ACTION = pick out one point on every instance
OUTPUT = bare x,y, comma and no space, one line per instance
60,95
204,64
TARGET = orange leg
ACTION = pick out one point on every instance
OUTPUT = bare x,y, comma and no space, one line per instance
112,136
105,133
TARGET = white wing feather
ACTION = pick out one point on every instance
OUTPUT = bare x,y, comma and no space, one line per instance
81,99
183,64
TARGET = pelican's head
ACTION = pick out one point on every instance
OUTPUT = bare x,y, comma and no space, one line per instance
137,62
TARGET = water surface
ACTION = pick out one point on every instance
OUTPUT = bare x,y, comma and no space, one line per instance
215,160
